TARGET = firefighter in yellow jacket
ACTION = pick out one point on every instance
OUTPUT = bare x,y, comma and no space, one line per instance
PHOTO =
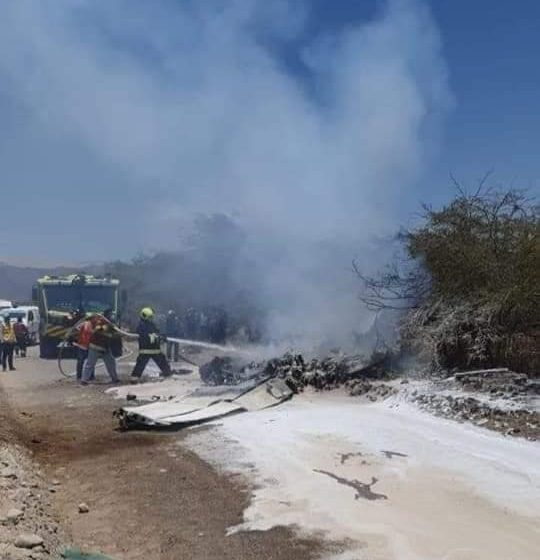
8,341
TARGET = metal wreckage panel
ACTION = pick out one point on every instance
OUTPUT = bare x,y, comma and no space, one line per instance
215,410
198,408
158,410
270,393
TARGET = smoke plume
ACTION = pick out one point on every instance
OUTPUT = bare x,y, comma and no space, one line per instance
310,139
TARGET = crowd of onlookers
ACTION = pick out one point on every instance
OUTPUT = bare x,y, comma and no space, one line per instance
13,341
198,324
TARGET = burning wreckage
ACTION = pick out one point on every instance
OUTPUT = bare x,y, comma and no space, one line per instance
497,399
232,386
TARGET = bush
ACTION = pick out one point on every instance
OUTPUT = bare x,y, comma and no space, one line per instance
471,283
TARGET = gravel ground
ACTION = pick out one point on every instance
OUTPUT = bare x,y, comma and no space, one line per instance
498,400
29,527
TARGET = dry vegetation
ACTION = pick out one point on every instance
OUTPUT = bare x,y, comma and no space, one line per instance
470,283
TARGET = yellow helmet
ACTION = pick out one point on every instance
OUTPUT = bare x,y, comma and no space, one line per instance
147,313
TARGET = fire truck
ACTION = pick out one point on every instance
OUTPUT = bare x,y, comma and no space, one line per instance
63,298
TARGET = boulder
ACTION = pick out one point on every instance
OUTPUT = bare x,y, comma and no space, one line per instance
28,540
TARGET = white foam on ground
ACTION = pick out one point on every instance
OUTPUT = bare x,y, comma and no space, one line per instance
153,386
461,492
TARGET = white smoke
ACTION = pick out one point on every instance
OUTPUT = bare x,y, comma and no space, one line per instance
194,105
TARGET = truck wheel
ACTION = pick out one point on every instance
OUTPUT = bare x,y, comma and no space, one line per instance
47,348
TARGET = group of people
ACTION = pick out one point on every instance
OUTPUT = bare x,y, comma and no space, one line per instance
13,340
198,324
97,337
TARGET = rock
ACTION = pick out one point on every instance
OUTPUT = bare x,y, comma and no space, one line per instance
28,540
13,553
14,515
55,482
83,508
7,472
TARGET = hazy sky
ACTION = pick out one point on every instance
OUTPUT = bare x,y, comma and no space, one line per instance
108,108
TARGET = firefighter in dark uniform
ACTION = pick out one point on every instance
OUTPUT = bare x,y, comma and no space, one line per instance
149,346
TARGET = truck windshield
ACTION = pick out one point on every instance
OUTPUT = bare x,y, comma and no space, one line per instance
87,298
13,314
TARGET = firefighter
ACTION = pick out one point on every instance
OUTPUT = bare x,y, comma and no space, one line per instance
101,343
149,346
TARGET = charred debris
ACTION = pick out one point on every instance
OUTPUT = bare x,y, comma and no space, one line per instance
298,372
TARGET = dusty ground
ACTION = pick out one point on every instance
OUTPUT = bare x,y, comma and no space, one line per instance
369,472
396,482
148,497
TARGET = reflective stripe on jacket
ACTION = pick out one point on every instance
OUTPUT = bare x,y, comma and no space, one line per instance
8,335
149,339
150,351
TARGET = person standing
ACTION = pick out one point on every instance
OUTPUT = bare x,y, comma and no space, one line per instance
21,335
191,324
1,341
9,340
84,333
99,347
149,346
171,330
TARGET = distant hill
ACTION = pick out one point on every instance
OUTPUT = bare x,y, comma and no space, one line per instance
16,281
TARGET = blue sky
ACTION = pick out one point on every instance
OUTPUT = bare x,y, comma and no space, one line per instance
72,195
492,50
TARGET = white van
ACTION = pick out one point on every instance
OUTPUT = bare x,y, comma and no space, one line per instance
5,304
30,317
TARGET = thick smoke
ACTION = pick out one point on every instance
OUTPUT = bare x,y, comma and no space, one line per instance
310,141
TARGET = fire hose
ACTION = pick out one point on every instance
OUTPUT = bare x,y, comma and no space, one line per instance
74,327
126,334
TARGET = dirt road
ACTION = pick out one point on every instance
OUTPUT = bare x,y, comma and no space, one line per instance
379,481
149,498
